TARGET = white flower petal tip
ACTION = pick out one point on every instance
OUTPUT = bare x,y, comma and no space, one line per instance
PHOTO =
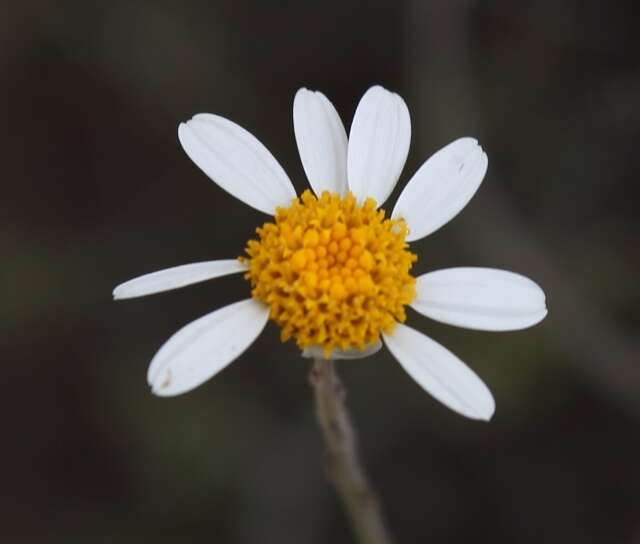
378,144
205,346
178,276
440,373
322,142
235,159
441,187
480,298
317,352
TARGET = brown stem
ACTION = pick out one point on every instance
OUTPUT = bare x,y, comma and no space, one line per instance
343,464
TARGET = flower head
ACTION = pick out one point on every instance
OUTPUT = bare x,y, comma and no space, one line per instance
332,269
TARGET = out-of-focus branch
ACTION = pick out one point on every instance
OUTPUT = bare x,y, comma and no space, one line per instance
343,462
588,339
440,59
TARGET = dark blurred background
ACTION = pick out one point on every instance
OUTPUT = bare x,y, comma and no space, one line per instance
96,190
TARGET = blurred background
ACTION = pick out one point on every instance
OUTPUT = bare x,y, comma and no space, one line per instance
96,190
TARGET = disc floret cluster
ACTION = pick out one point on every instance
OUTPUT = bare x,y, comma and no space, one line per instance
334,273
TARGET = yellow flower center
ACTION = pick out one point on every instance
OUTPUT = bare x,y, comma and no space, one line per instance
333,273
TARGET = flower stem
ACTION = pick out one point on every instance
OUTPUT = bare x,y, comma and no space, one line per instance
343,464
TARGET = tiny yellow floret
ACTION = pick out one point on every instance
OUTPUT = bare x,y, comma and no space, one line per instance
299,259
333,272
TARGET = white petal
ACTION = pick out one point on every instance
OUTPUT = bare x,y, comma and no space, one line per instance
480,298
205,346
237,161
178,276
440,373
378,144
441,187
318,352
322,142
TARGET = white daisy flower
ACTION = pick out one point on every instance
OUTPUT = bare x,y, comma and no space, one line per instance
331,269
